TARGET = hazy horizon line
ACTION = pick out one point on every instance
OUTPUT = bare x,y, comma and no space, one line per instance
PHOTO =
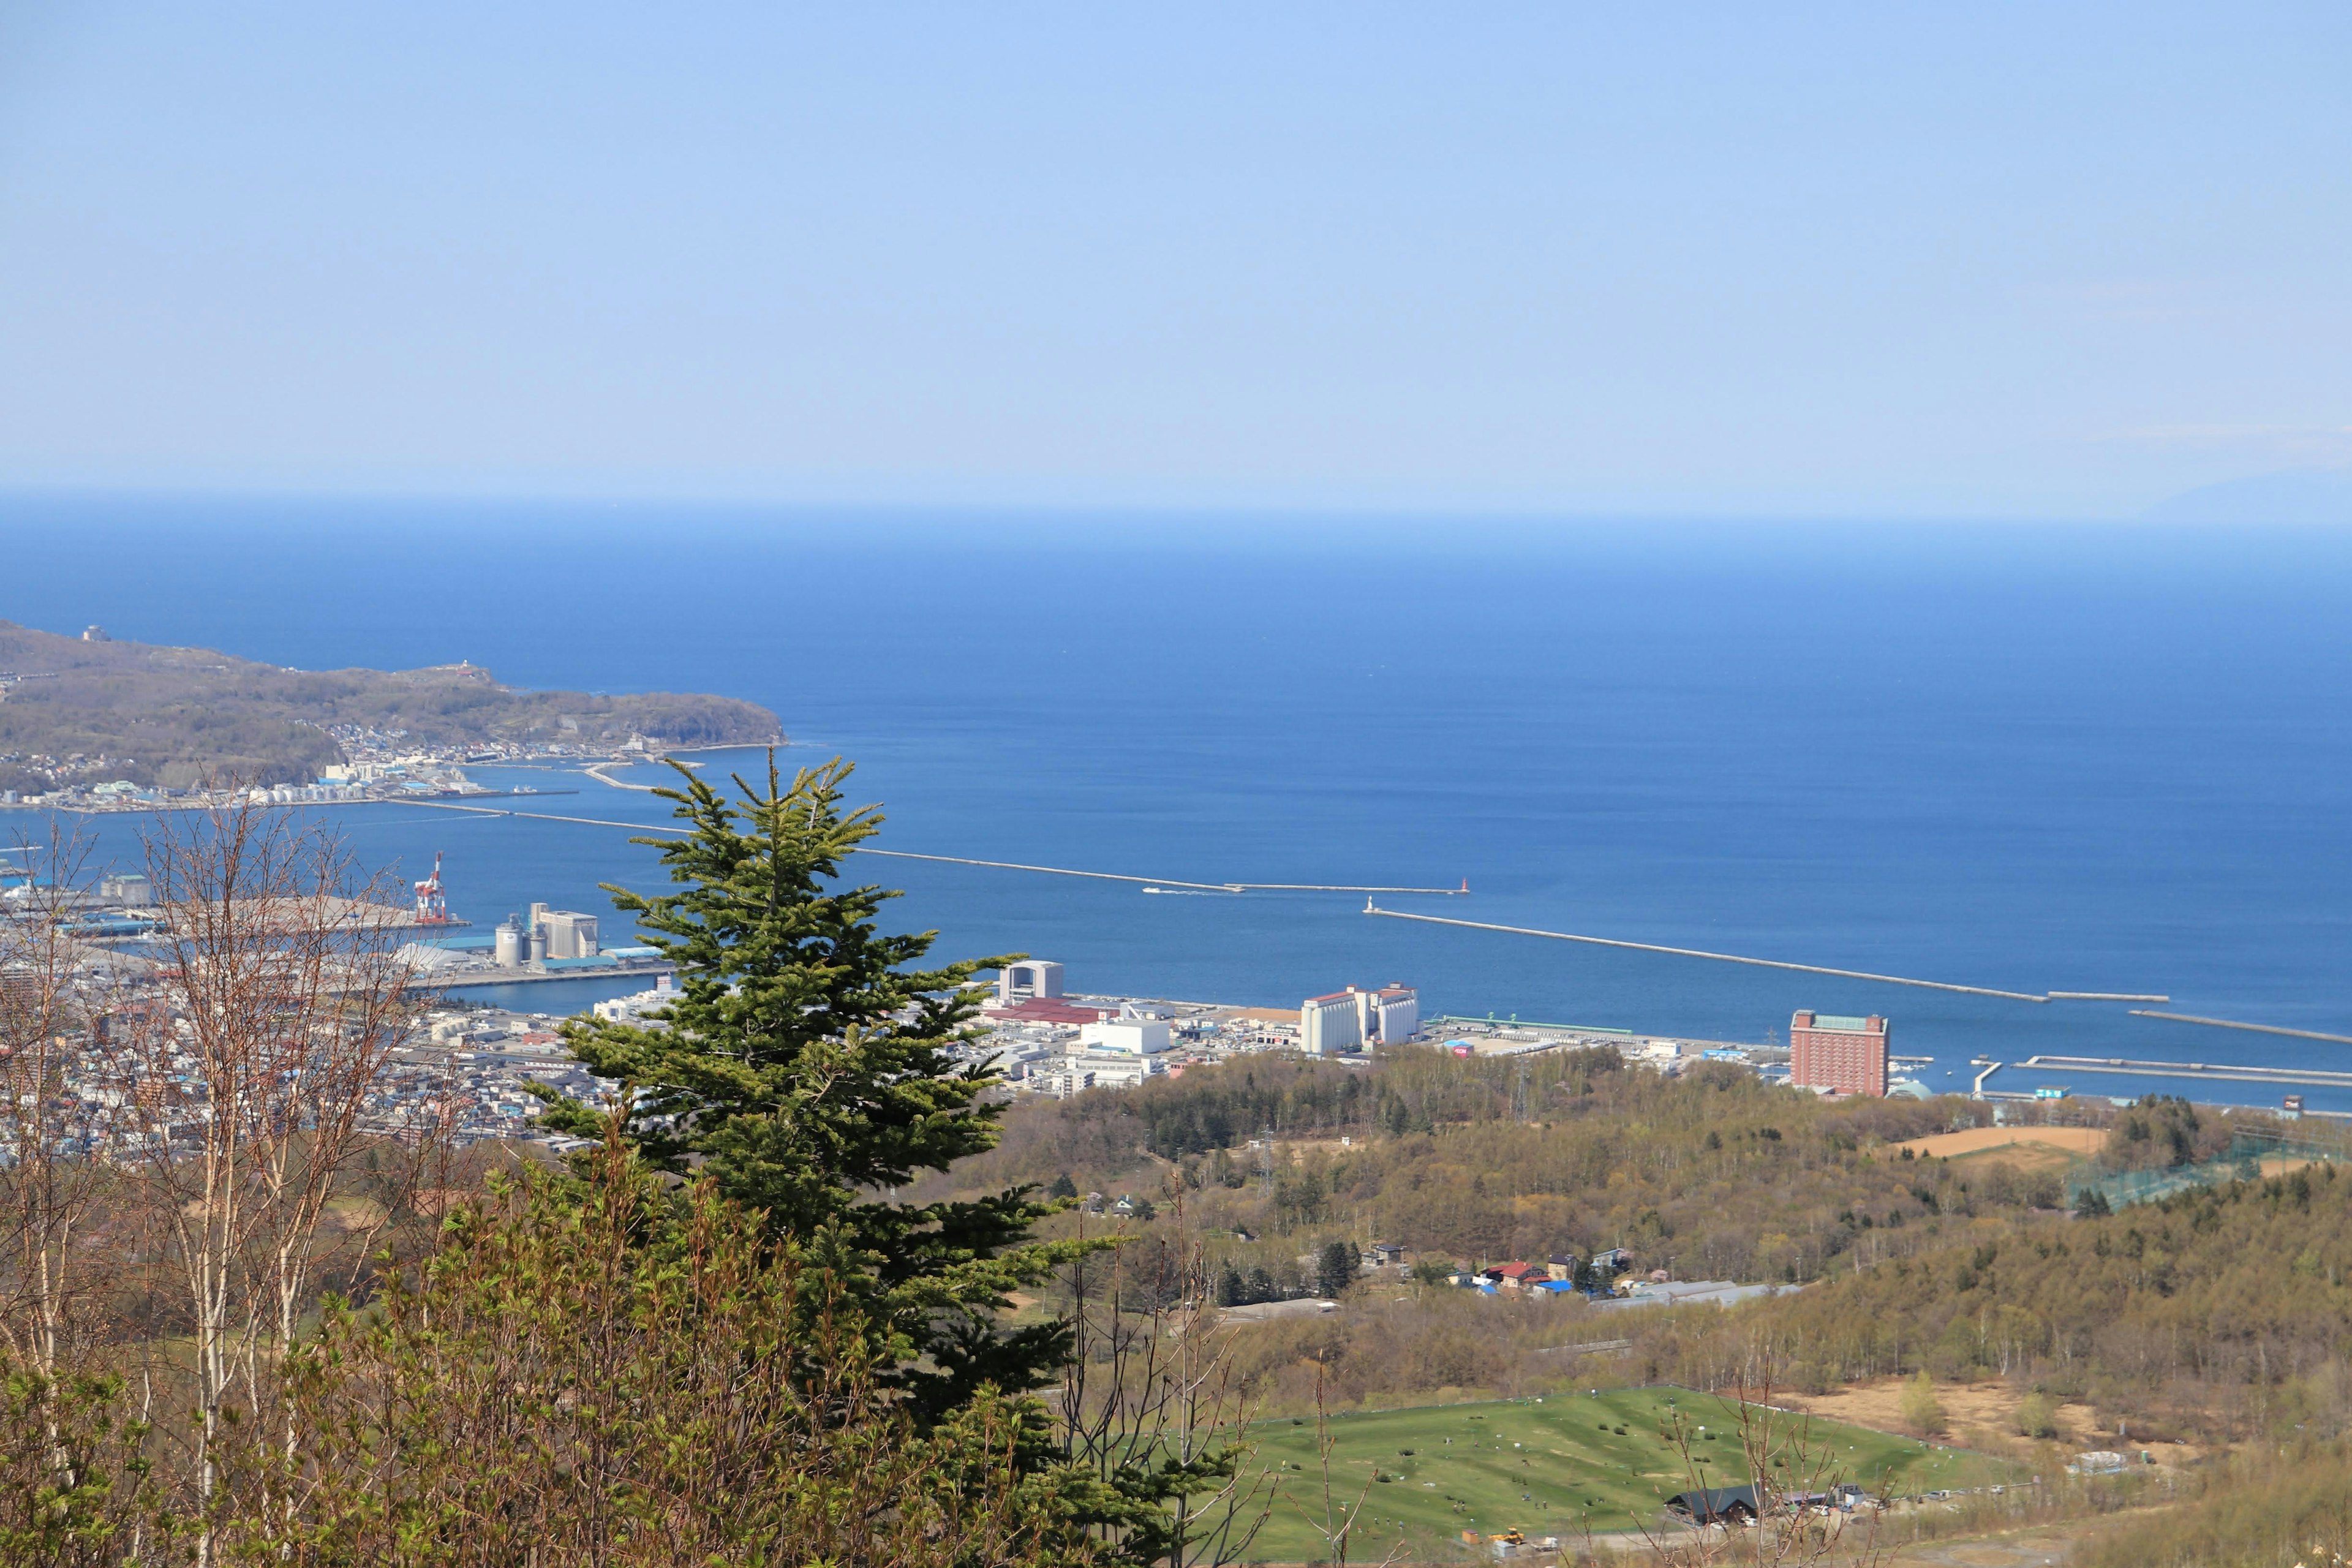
1301,511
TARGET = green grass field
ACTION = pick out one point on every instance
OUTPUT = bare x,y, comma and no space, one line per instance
1549,1466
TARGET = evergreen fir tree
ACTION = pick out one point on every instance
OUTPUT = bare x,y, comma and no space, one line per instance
805,1066
1230,1288
1335,1268
1063,1187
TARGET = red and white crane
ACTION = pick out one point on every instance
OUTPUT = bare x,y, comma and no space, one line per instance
432,908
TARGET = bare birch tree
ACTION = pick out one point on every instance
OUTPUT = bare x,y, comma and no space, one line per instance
281,993
1797,1507
1147,1392
50,1186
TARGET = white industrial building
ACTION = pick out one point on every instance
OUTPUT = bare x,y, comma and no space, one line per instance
1394,1014
633,1009
1328,1025
570,934
131,887
1135,1031
1351,1019
1112,1069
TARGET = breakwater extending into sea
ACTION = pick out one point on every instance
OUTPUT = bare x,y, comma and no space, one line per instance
2024,760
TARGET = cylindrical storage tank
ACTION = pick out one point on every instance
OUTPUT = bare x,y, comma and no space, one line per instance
510,944
539,946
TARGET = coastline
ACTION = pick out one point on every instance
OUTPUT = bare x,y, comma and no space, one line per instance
588,769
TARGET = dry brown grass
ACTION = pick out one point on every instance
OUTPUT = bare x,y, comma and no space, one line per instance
2028,1157
1978,1414
2072,1140
2044,1148
2009,1549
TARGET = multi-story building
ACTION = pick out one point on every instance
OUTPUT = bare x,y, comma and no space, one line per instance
1848,1054
1330,1023
1037,978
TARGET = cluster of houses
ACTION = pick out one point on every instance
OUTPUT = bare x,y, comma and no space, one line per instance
1741,1505
1561,1274
1606,1279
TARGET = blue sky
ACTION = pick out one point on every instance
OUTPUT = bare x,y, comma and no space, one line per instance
1866,260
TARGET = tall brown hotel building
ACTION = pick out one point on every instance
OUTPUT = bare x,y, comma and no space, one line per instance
1848,1054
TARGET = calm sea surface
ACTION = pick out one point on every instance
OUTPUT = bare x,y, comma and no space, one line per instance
2079,758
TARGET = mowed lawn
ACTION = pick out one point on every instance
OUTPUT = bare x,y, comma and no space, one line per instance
1549,1466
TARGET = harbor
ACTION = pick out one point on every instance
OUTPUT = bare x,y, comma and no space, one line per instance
2043,1019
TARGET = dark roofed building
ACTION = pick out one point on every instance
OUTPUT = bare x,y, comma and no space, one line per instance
1715,1505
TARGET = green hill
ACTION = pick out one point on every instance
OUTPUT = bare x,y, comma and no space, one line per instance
75,711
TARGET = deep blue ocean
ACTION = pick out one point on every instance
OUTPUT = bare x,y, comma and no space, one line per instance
2083,757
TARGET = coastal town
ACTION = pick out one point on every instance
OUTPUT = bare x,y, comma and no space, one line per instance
475,1063
384,766
97,722
1133,788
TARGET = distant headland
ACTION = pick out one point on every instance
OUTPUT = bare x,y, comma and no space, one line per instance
82,714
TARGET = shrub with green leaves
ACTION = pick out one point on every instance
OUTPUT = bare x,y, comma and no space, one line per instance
586,1374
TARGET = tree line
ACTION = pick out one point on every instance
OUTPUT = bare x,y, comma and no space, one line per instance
2225,1311
722,1334
1709,1174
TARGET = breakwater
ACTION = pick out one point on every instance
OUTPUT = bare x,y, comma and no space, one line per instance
1712,957
2123,1067
994,865
2248,1028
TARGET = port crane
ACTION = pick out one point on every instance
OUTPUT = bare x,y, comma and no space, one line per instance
431,908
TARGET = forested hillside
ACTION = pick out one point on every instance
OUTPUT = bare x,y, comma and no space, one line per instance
1711,1174
2224,1312
88,711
